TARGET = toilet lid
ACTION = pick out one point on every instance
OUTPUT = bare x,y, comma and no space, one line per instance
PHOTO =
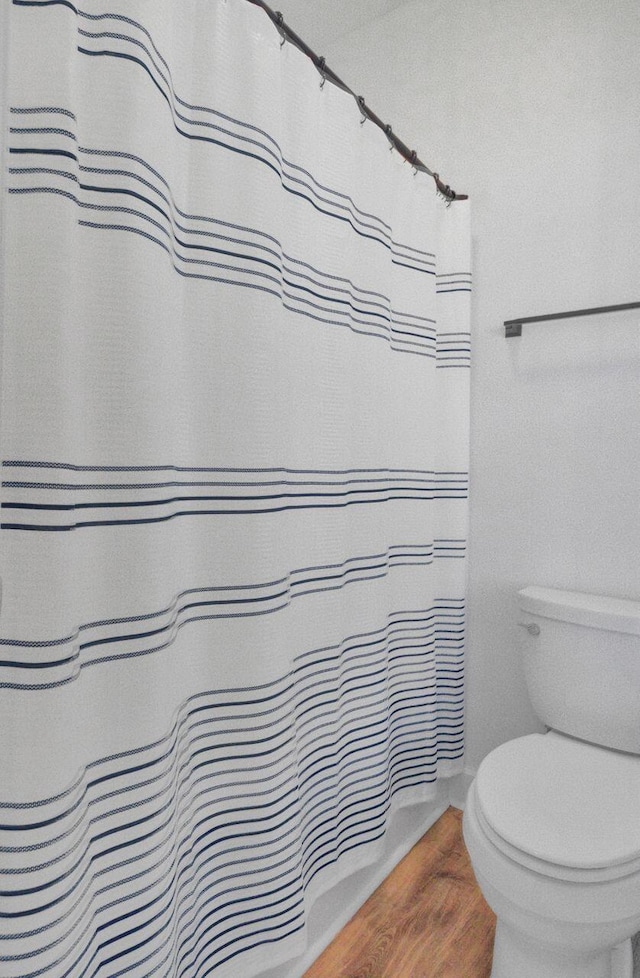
563,801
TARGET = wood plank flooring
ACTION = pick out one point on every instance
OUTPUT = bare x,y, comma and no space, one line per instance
427,920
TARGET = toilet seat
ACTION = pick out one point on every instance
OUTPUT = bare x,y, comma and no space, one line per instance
561,807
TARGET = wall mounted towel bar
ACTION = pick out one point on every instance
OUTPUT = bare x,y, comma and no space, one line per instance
513,327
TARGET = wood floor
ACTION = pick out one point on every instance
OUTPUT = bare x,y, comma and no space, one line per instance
427,920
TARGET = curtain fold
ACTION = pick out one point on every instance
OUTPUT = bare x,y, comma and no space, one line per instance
234,436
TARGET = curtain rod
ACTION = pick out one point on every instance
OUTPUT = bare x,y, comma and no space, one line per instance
513,327
327,73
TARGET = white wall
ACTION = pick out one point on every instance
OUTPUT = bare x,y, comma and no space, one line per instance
534,110
320,22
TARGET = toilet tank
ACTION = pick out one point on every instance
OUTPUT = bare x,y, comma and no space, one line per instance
582,664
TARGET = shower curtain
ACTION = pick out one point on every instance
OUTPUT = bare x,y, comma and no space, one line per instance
233,427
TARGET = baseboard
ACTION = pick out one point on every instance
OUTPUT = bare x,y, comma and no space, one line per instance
333,910
458,788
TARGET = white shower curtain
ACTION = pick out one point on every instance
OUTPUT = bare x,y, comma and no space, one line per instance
233,427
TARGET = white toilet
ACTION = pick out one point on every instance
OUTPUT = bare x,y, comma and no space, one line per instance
552,821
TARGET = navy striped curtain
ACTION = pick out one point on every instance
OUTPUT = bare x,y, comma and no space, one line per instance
234,428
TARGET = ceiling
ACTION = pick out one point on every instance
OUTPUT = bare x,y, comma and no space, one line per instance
320,22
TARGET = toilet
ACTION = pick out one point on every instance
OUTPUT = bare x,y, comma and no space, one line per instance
552,820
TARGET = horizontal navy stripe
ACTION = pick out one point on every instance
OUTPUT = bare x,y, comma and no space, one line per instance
39,109
418,345
319,829
431,479
394,789
433,490
169,201
279,292
273,159
280,255
285,823
210,111
281,284
73,467
328,494
438,634
223,817
416,477
82,524
20,130
260,694
298,583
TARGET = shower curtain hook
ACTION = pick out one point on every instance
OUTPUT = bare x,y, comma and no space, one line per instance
444,190
412,160
361,105
280,27
321,66
388,131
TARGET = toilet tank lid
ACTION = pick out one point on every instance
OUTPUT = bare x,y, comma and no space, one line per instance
592,610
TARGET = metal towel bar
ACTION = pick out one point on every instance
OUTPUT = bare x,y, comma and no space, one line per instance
513,327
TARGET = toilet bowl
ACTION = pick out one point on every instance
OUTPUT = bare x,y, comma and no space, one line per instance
552,821
564,883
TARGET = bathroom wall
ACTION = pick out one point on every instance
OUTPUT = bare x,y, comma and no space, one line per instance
534,110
